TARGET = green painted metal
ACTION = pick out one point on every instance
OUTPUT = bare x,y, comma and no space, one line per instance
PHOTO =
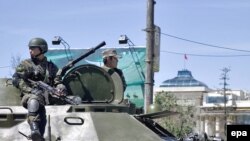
77,126
91,83
10,96
103,116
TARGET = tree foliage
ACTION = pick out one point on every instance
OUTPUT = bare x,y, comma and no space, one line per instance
181,124
15,61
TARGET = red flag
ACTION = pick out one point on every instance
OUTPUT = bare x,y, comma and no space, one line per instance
185,56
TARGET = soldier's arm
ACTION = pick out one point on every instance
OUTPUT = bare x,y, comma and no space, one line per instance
59,84
19,78
55,74
57,79
124,81
119,71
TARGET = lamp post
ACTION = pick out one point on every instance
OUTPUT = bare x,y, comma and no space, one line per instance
123,39
57,40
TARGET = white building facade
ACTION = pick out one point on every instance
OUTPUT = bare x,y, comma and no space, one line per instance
212,113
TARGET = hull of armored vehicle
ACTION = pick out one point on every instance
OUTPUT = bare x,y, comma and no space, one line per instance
102,115
9,94
76,126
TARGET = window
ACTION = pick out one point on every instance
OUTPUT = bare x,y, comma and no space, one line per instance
215,99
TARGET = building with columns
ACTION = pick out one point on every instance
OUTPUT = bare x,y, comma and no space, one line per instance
215,113
211,111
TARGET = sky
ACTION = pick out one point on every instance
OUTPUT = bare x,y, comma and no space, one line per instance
213,34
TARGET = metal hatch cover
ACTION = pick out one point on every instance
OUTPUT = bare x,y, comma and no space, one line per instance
92,83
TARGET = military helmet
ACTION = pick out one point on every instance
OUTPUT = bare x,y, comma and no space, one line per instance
39,42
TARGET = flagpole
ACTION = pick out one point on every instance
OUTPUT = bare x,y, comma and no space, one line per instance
185,59
184,64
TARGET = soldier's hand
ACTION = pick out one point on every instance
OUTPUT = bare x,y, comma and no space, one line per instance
61,90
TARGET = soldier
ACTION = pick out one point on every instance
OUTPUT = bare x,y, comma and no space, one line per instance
110,60
37,68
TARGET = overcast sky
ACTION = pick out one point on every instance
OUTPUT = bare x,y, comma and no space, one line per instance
223,25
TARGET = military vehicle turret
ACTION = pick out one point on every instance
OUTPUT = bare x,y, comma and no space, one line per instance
101,115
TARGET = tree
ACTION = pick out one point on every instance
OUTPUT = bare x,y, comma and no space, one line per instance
181,124
15,61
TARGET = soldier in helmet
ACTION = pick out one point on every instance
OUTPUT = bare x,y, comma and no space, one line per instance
110,60
37,68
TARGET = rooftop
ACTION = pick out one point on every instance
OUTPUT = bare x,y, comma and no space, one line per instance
184,79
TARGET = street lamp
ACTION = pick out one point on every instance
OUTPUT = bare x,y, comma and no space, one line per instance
57,40
123,39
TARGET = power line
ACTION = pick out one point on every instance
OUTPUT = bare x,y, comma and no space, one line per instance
205,55
205,44
4,67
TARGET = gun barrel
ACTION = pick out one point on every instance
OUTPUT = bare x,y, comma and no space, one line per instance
72,63
88,53
70,101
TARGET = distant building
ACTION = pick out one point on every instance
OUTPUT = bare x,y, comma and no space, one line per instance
209,104
187,89
212,117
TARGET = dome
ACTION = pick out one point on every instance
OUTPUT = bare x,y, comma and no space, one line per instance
184,79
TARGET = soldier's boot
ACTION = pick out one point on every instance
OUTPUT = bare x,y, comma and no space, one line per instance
35,133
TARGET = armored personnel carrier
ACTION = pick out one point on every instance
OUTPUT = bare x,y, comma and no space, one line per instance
101,115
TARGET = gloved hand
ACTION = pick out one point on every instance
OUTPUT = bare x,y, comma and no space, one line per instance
61,90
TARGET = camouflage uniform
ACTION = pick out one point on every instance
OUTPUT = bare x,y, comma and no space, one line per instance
38,71
32,97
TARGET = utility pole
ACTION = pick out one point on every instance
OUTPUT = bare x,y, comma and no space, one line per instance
225,78
149,79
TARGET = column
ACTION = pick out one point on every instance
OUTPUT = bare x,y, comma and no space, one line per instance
202,125
230,119
206,124
217,126
212,125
